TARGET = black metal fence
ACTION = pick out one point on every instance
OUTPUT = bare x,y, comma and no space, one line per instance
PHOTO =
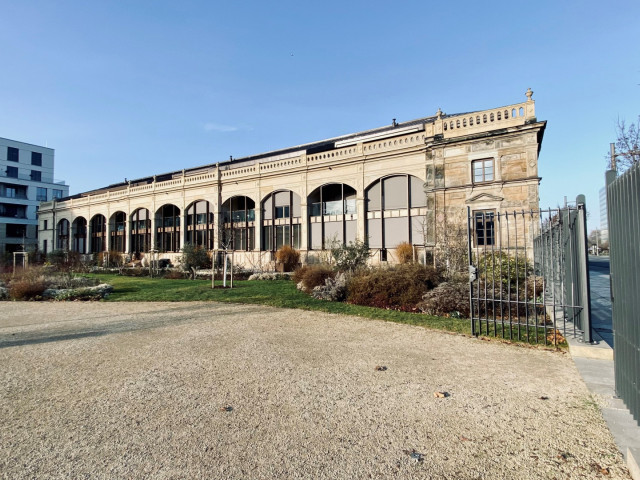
528,274
623,206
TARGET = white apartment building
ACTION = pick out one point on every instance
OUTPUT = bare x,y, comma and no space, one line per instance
26,179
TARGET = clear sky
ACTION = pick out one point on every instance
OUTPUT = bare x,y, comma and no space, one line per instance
135,88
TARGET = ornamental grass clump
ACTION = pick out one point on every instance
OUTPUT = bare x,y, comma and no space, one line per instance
288,257
398,287
308,277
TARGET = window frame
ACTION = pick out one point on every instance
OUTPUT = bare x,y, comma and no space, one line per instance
39,194
483,162
36,159
13,154
483,213
36,176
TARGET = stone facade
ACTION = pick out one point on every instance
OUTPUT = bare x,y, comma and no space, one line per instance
404,182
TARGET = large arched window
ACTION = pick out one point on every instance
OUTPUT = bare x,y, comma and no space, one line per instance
98,228
332,215
117,226
79,230
63,234
281,218
140,231
238,223
168,228
394,216
200,224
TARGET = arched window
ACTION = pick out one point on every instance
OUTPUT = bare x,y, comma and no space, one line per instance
238,223
140,231
393,207
281,220
117,225
168,228
332,215
79,230
98,233
200,224
63,235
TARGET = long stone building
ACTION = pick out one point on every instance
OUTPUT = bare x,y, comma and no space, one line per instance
404,182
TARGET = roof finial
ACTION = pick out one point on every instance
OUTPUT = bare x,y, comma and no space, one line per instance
529,94
439,113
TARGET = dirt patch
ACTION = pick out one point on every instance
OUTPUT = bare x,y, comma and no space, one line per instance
205,390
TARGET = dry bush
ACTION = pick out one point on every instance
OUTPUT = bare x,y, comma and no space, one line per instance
446,299
174,275
289,257
27,288
312,276
400,287
404,252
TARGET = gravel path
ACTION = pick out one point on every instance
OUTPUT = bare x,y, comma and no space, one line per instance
134,390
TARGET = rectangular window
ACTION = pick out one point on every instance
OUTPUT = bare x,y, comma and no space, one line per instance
46,225
16,231
282,212
12,172
56,193
36,159
41,194
10,192
36,175
484,227
12,154
482,170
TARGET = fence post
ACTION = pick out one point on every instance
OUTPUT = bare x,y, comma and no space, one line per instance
473,322
583,259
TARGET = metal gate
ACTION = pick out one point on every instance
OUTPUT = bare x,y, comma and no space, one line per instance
528,274
623,207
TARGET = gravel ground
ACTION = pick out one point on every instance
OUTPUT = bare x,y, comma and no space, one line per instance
134,390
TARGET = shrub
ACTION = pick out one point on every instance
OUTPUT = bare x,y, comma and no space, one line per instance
174,275
194,257
404,252
288,257
399,287
352,256
27,289
448,298
500,267
311,276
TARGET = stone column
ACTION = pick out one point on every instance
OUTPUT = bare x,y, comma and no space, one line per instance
304,226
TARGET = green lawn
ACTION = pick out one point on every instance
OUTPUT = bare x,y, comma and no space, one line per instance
276,293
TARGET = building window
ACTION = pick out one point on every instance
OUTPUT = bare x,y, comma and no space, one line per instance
482,170
12,154
46,225
12,172
36,159
484,227
41,194
56,193
36,176
16,231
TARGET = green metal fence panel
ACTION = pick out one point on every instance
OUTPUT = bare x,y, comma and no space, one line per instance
623,206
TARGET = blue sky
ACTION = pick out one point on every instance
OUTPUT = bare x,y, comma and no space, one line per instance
129,89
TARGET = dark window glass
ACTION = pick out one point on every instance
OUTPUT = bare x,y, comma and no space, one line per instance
12,172
36,159
41,194
12,154
36,176
46,225
16,231
485,228
56,193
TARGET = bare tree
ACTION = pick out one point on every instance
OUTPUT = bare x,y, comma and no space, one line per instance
627,144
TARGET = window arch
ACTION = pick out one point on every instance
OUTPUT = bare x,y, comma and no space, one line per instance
168,228
140,231
332,215
63,235
98,227
281,220
238,223
117,225
393,208
79,231
200,224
